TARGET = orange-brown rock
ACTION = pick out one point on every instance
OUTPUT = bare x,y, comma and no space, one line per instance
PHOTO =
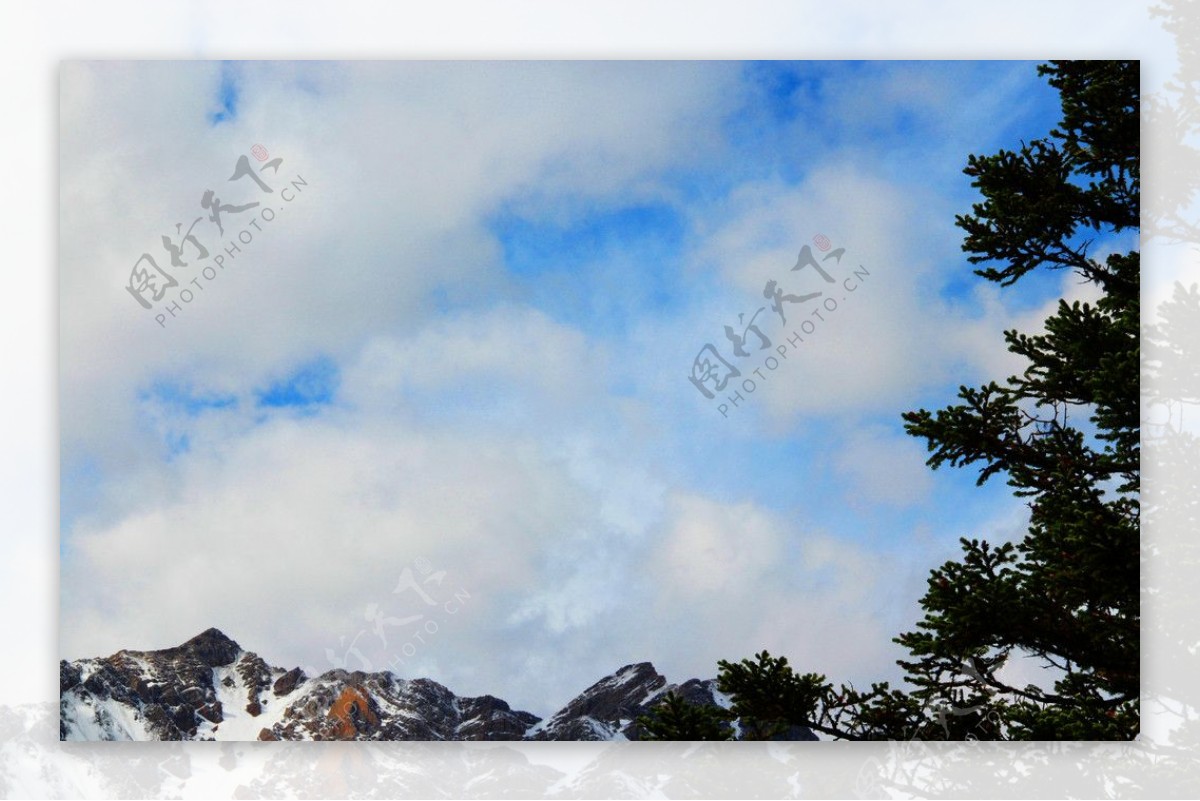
352,714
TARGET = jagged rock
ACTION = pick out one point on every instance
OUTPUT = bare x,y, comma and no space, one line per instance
68,676
211,712
355,714
256,674
609,708
184,692
490,718
288,681
211,648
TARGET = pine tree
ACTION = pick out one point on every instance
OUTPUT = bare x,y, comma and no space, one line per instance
673,718
1067,593
1065,433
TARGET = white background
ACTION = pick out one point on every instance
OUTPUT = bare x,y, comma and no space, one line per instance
36,37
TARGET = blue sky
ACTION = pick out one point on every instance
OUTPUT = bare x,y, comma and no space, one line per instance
467,338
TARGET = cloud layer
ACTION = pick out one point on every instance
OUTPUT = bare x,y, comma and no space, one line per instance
435,416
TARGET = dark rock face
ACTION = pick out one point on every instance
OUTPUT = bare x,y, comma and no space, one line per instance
210,648
489,718
169,692
257,677
68,676
288,681
607,708
209,688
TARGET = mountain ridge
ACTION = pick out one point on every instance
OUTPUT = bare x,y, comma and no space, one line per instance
211,688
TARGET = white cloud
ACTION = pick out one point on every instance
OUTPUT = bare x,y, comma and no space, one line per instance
730,580
404,168
497,351
492,440
283,530
297,526
874,344
715,549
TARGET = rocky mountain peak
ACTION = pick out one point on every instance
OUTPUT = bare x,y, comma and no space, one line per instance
609,709
210,647
617,696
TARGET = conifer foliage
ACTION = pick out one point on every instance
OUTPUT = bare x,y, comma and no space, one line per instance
1065,435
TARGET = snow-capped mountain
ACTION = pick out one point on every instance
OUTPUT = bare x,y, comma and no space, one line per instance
210,688
609,709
